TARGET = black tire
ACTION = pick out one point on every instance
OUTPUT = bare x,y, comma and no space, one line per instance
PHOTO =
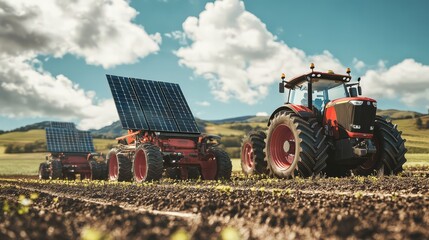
96,170
194,173
304,139
148,159
252,153
123,165
44,171
172,172
391,146
104,171
223,163
56,170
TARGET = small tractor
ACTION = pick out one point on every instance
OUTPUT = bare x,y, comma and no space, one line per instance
71,154
163,137
325,127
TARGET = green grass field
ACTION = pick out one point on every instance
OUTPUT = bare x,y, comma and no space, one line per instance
28,163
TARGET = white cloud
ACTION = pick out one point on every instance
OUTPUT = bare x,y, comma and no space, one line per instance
358,64
261,114
203,103
179,36
407,81
101,32
234,51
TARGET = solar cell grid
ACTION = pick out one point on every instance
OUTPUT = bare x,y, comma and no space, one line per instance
69,125
68,140
151,105
126,102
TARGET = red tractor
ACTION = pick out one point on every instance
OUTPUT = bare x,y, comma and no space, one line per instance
163,136
71,154
327,127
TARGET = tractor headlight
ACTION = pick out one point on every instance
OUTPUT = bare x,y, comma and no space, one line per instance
374,104
371,128
355,126
356,102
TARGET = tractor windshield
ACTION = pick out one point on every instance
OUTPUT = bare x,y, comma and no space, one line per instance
324,91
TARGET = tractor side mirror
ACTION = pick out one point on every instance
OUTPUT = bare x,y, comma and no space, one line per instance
359,90
353,92
281,87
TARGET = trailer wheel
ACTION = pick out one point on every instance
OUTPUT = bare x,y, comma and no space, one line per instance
95,170
104,171
56,170
43,171
295,146
252,153
148,163
223,163
390,155
119,166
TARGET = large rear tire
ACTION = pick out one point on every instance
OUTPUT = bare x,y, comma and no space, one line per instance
44,171
148,163
56,170
119,166
252,153
295,146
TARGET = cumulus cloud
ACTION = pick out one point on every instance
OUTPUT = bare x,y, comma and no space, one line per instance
261,114
203,103
101,32
358,64
406,81
234,51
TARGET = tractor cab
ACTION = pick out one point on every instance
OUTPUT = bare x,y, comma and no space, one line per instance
316,89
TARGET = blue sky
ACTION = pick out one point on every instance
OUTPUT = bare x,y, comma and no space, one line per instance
385,42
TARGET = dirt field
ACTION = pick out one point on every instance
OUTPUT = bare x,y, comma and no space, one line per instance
244,208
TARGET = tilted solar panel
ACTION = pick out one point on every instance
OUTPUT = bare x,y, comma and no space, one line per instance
159,106
126,102
68,125
68,140
154,105
179,107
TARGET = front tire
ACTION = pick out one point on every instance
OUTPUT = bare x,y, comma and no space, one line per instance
148,163
119,166
252,153
44,171
295,146
56,170
223,163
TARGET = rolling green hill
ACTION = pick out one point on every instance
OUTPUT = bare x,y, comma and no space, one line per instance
231,130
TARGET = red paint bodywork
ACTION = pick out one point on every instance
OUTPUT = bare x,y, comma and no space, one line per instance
76,163
330,117
192,151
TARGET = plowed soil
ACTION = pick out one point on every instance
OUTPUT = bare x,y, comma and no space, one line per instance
245,207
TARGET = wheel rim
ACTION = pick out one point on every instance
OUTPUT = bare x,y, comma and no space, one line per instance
247,155
113,167
282,147
140,166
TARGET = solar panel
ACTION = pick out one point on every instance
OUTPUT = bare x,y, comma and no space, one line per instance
179,107
68,140
68,125
126,102
151,105
154,105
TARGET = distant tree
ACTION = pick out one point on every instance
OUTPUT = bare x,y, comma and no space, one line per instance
427,124
419,123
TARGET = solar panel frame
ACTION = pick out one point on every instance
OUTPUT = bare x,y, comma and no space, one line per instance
68,140
129,110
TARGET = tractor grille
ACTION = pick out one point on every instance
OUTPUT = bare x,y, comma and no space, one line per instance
356,118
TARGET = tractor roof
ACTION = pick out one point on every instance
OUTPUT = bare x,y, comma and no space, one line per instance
337,78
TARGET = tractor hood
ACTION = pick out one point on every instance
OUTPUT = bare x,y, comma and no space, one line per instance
352,117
